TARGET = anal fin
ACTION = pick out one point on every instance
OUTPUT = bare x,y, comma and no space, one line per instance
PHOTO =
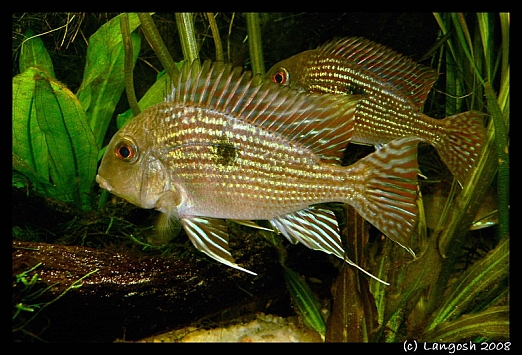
316,228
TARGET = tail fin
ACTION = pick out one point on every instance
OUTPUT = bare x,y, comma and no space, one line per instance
388,198
462,143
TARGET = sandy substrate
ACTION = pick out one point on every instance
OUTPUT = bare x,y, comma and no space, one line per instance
265,328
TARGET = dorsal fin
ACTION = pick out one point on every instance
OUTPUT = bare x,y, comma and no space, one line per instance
404,75
323,123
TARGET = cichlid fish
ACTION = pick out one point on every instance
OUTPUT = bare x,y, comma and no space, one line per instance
394,89
225,146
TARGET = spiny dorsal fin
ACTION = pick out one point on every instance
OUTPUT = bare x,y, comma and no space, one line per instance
404,75
322,123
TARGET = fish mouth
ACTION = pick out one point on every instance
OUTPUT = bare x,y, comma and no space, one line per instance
103,183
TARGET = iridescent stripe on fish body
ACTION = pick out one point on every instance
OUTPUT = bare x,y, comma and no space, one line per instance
375,122
266,175
402,75
224,146
394,89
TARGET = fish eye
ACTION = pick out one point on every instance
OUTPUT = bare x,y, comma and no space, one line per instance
281,76
126,151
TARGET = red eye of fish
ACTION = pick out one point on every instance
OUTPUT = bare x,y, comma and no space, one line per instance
281,76
126,151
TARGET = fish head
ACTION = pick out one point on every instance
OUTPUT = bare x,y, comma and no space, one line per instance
131,169
291,71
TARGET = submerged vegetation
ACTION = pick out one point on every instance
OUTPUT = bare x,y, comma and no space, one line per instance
458,286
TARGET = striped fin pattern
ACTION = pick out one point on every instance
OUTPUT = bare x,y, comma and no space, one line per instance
314,227
317,229
210,236
388,200
406,77
460,146
322,123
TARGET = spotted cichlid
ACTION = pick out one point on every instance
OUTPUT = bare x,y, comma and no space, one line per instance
394,89
223,146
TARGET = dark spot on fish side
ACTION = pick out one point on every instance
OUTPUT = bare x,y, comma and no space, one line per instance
225,153
355,90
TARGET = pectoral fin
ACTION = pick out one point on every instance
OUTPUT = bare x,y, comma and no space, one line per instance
210,236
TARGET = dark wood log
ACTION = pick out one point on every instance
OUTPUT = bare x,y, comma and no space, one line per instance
130,297
135,294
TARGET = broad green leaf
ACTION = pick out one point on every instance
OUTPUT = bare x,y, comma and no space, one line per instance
40,184
491,324
34,54
28,140
104,78
51,136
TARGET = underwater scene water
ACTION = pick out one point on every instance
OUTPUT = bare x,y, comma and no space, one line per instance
262,177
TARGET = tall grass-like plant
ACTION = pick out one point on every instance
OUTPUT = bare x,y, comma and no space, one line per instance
430,301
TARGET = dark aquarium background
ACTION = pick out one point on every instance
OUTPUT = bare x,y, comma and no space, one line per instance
88,266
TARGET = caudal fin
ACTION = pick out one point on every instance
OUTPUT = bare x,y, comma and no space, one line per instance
388,198
462,143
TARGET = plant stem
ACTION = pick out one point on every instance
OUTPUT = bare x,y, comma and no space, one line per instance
254,43
185,23
156,42
215,35
129,64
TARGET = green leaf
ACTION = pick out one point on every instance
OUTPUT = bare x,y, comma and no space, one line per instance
502,144
104,76
492,324
468,290
305,301
40,184
34,54
51,136
27,136
409,281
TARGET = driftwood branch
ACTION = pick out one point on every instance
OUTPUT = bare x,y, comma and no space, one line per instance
129,297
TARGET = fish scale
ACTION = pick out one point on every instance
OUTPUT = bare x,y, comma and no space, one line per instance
293,181
394,89
376,122
227,145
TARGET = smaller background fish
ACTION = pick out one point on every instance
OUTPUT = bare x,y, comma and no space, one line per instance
394,90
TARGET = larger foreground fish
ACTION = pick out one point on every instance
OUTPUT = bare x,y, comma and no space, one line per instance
223,147
394,89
